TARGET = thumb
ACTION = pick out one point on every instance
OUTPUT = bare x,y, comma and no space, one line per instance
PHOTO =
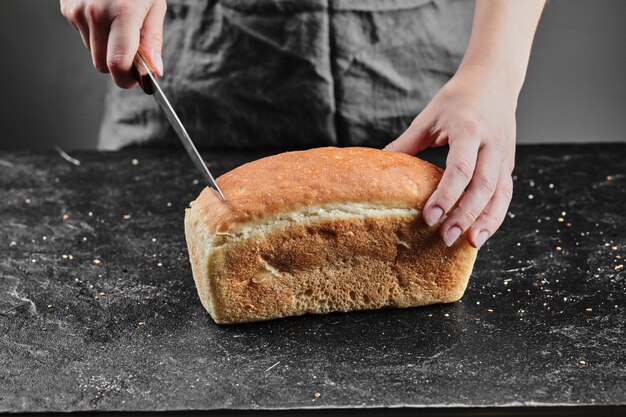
151,41
415,138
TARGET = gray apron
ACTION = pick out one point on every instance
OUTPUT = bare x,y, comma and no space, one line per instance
294,73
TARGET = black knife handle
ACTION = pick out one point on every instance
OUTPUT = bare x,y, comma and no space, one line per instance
140,68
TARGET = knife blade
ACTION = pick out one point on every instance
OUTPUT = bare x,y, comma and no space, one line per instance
148,83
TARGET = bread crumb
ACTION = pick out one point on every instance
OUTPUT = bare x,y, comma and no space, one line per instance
582,362
65,217
97,261
317,394
589,309
126,216
618,267
134,161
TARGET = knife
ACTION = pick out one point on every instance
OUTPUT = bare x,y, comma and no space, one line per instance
148,83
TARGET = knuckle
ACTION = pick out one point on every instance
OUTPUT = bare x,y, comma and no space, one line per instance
94,11
467,124
491,222
153,37
486,184
463,169
467,216
444,199
507,189
74,13
118,61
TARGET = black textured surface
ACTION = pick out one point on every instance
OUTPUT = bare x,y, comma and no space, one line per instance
541,324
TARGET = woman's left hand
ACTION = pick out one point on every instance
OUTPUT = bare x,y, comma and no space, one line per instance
474,113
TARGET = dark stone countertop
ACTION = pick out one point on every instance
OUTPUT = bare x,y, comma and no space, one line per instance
98,309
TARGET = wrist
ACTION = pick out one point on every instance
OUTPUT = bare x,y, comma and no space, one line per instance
508,78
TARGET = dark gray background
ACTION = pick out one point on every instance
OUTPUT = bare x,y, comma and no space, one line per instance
575,90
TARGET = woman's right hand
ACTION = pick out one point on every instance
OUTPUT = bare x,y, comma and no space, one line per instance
113,30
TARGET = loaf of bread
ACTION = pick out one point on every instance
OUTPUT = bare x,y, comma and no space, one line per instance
323,230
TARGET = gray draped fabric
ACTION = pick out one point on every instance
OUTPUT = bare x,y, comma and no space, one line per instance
294,73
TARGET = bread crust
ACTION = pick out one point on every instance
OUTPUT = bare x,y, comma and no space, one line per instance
289,181
289,242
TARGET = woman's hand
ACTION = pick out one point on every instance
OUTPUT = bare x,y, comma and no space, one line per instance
113,30
474,113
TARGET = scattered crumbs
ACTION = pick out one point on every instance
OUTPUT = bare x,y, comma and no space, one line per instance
560,220
589,309
50,306
446,315
134,161
582,362
103,293
489,310
70,257
530,196
563,213
558,248
142,323
90,285
618,267
126,216
317,394
568,225
613,247
160,264
65,217
550,185
64,256
97,261
27,200
97,297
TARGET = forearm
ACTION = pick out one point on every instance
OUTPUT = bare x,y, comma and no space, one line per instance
501,39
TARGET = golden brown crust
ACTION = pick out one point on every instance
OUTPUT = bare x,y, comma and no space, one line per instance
362,245
292,180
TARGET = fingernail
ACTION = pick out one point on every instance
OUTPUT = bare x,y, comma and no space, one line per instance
451,235
158,61
433,215
481,239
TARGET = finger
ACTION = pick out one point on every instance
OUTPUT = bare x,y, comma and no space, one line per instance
77,18
493,215
98,36
123,44
459,170
415,138
152,36
480,191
